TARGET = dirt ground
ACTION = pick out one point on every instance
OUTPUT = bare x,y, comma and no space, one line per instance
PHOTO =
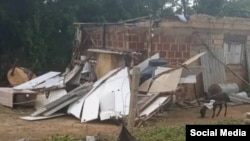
13,128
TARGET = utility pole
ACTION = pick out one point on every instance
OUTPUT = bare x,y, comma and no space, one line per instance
134,85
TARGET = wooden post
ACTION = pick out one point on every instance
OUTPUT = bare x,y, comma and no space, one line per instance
149,38
133,98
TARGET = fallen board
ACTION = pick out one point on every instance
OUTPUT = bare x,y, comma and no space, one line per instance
36,81
30,118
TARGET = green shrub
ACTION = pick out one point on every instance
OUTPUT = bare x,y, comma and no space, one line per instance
162,132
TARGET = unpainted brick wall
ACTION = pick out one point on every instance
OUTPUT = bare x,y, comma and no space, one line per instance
174,48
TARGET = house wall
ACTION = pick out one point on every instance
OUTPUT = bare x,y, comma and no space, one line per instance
177,41
175,48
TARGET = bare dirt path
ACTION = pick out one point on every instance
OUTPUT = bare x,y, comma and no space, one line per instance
13,128
192,116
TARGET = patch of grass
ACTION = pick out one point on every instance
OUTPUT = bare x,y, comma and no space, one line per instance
68,138
231,122
153,132
162,132
60,138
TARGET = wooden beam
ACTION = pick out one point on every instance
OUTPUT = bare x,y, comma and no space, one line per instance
133,98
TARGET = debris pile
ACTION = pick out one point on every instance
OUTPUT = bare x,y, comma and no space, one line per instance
80,93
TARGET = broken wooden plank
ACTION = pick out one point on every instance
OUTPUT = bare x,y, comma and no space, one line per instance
165,83
194,58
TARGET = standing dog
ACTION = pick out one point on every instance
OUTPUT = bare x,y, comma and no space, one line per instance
215,100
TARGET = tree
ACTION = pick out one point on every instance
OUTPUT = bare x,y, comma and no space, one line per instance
41,31
210,7
230,8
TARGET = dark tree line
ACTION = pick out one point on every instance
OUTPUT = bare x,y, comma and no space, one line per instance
41,32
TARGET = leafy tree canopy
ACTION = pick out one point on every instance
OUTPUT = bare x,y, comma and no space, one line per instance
41,31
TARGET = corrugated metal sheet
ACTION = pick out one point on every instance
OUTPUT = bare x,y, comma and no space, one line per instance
248,62
212,70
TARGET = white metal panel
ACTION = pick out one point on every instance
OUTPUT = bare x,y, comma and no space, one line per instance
122,94
36,81
108,115
90,109
107,102
155,105
57,81
190,79
107,106
119,86
238,98
31,118
76,107
41,99
116,103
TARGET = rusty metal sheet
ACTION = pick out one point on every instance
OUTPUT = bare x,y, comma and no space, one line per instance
212,70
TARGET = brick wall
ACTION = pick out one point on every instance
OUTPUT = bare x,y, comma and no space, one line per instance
174,48
176,41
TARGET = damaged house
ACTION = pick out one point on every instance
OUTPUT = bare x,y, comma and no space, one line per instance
227,41
178,61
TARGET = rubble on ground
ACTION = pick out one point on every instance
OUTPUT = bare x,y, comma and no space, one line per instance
79,93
